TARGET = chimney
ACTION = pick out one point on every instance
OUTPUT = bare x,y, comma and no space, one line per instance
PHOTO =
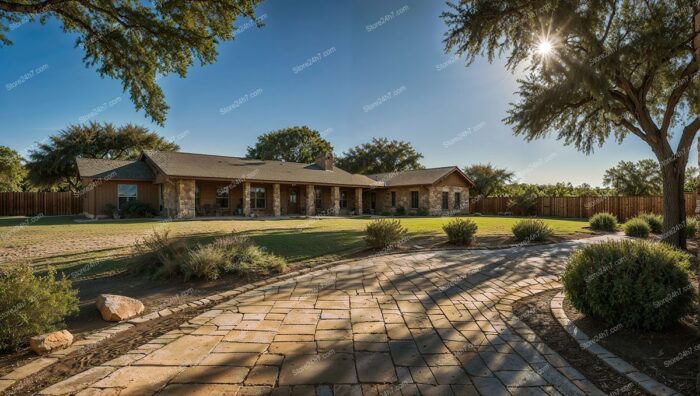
325,161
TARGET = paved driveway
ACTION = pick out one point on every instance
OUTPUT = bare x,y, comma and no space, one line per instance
415,323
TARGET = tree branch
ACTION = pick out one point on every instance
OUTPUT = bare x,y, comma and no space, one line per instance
677,94
34,8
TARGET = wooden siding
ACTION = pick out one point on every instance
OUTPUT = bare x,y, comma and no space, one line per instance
34,203
106,193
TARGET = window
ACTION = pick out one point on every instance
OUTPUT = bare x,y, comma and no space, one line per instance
458,200
257,198
445,200
222,197
414,199
393,199
317,198
293,196
197,196
125,193
343,199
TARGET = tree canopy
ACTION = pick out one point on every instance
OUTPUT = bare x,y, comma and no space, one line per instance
138,41
12,172
629,178
295,144
52,164
380,156
488,179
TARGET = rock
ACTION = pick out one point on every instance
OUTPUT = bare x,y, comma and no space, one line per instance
115,308
51,341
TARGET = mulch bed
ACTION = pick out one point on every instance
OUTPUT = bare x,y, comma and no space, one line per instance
536,313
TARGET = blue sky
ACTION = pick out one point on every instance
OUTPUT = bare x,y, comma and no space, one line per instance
338,67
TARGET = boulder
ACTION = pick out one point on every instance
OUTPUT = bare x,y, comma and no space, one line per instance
116,308
46,343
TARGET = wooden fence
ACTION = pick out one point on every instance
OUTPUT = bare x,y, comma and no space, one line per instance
46,203
623,207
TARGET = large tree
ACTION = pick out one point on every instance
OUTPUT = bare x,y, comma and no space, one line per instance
488,179
136,41
52,164
381,156
630,178
295,144
12,172
595,70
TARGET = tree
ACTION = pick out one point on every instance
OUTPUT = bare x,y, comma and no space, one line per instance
640,178
595,71
524,197
12,172
691,179
380,156
488,180
295,144
52,164
137,41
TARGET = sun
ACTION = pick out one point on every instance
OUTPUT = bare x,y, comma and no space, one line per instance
545,47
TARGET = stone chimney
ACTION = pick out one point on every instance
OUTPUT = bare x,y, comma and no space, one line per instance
325,161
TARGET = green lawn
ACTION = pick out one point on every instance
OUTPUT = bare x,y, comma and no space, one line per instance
105,245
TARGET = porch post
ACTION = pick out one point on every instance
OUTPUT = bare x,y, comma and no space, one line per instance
310,200
358,201
276,205
336,200
246,199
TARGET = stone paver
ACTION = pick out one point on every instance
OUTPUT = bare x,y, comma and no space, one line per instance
431,323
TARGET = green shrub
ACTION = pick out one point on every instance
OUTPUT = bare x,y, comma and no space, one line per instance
532,230
253,260
460,231
110,210
205,261
32,305
640,284
656,222
386,213
422,212
161,254
401,211
524,198
136,209
603,222
691,227
385,233
637,227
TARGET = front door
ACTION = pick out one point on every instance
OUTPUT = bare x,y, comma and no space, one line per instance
293,201
373,201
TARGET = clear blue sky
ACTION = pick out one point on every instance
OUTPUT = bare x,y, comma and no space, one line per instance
361,59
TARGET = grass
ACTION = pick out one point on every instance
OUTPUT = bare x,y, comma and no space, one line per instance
96,247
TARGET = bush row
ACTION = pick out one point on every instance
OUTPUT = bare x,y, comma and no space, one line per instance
640,226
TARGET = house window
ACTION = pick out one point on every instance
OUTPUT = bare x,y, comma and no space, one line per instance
445,200
458,200
317,198
257,198
393,199
292,196
125,193
221,197
343,199
414,199
197,196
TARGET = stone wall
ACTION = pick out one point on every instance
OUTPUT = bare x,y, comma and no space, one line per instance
178,198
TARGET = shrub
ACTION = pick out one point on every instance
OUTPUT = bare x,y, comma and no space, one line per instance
135,209
110,210
253,260
460,231
637,227
524,198
603,222
422,212
162,254
385,233
656,222
691,227
204,262
31,305
386,213
532,230
640,284
401,211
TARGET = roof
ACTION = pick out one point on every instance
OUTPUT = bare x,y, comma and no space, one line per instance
417,176
179,164
113,169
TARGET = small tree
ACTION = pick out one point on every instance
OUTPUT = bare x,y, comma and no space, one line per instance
640,178
524,198
488,179
295,144
381,156
12,172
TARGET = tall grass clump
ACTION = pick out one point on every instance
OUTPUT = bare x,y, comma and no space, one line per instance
385,233
603,222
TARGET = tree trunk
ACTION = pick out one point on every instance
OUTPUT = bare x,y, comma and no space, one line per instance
674,204
696,45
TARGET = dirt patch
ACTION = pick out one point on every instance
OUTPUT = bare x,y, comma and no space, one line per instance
670,357
535,312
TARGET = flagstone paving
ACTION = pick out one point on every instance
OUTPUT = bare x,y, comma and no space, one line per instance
431,323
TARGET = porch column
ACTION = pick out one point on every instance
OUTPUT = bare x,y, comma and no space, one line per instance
310,200
335,191
276,205
358,201
246,199
185,198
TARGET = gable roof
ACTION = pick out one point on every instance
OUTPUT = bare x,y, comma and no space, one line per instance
418,176
113,169
179,164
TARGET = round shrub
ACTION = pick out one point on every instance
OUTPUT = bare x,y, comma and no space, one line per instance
639,284
691,227
656,222
637,227
32,305
603,222
460,231
532,230
385,233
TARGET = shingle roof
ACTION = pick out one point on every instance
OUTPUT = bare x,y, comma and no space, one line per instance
416,177
180,164
113,169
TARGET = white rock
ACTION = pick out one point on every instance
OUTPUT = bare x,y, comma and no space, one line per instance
51,341
116,308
